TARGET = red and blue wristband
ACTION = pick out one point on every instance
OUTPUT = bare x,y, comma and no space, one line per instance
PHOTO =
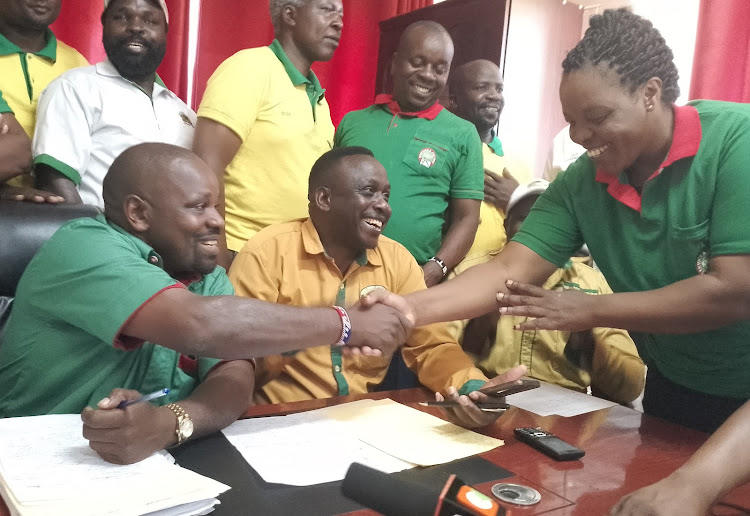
346,326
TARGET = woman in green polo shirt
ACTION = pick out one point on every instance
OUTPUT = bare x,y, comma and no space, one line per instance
661,199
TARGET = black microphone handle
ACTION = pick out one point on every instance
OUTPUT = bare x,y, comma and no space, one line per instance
387,494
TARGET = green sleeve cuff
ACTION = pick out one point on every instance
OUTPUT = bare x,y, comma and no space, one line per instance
4,107
64,169
460,193
471,386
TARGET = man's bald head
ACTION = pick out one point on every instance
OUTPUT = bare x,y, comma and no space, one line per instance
143,170
420,65
167,196
476,94
419,30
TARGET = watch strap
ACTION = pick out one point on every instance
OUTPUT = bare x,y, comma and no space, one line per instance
181,416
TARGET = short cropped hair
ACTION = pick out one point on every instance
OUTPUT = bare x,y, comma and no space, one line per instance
277,6
320,174
631,46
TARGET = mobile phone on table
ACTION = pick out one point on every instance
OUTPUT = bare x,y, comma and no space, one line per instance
549,444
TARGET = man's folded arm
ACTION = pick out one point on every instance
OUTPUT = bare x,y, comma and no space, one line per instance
52,180
15,148
221,398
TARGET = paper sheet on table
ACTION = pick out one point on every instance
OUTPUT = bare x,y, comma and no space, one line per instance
410,434
305,449
550,400
47,467
319,446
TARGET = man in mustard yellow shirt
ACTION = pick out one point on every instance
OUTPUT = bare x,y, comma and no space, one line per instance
332,258
30,57
476,95
604,359
264,119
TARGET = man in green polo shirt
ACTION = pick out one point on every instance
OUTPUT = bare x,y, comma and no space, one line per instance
264,120
30,57
133,301
433,158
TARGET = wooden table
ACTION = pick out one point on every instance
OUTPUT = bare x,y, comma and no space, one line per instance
625,450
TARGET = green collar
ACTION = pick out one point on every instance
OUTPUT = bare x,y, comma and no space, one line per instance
295,75
145,250
49,51
361,259
496,145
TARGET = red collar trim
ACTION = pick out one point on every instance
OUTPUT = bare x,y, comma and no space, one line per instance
430,113
686,140
190,279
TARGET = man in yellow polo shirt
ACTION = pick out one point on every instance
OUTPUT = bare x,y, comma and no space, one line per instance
332,258
15,159
264,120
476,95
30,57
15,146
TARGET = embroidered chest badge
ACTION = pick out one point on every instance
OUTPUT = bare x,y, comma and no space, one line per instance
369,289
701,263
427,157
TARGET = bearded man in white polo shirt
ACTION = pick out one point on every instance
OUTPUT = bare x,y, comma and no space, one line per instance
88,116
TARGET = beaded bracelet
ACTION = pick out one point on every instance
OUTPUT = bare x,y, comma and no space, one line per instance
346,326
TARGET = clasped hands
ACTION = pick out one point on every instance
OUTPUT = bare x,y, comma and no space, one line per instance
390,310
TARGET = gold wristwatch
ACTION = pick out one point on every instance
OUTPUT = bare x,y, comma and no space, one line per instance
184,428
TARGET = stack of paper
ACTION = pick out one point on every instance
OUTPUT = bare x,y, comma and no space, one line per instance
47,467
549,400
320,445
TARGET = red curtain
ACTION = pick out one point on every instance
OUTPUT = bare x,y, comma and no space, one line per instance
79,26
721,64
349,78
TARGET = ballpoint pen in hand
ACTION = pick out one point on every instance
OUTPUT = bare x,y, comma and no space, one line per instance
145,397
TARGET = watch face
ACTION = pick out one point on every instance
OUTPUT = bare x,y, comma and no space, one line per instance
186,428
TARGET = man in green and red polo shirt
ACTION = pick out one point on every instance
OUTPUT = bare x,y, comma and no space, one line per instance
133,301
433,158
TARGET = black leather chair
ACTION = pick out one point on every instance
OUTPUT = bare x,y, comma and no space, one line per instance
24,227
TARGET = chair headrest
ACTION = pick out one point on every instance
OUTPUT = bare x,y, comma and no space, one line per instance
24,227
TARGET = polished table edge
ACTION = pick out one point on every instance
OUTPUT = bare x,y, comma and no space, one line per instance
625,450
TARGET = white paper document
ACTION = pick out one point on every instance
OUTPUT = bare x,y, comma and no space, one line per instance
304,449
46,464
550,400
319,446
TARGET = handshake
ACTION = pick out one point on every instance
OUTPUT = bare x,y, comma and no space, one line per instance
381,322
